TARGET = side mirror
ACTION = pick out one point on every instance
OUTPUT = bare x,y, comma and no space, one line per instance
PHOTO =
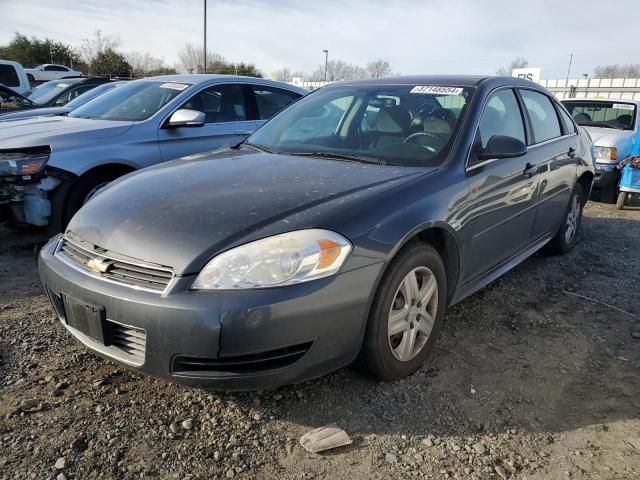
186,118
502,146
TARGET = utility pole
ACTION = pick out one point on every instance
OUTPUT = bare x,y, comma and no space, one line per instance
205,36
569,69
326,63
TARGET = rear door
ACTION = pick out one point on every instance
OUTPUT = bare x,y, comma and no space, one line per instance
555,141
228,120
503,192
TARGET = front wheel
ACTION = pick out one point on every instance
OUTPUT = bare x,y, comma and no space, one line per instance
406,315
86,188
622,200
567,236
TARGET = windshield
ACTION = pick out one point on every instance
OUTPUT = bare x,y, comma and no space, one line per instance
134,101
47,91
603,114
410,125
90,95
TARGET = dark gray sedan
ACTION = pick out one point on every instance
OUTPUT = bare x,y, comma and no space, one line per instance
341,229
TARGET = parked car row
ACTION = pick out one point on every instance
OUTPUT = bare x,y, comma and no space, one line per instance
341,229
51,165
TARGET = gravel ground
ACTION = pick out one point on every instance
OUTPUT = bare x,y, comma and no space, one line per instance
528,381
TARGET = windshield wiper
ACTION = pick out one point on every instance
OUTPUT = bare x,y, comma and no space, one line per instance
603,125
340,156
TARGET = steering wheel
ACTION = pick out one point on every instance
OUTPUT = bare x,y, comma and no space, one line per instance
442,114
439,140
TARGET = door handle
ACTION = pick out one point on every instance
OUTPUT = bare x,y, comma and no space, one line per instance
572,152
530,170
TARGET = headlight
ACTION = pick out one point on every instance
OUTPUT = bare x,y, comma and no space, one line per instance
284,259
606,153
24,161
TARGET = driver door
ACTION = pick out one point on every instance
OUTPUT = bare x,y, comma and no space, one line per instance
228,121
503,192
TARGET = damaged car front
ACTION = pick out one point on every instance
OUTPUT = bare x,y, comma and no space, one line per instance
23,184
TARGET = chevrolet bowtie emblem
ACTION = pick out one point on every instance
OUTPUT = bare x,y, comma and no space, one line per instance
98,265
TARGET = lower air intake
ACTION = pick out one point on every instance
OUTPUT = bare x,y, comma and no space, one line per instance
254,363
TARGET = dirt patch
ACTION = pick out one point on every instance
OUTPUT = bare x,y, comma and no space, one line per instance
529,381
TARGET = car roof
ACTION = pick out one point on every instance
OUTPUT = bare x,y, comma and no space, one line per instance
198,78
607,100
448,80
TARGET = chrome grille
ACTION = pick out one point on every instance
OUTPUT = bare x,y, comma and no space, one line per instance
118,268
132,341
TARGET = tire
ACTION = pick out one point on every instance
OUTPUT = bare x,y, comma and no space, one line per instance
83,188
622,200
391,357
567,236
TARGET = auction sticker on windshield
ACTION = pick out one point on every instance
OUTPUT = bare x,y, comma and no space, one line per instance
174,86
437,89
623,106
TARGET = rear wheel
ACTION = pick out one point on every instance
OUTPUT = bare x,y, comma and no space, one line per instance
406,315
567,236
622,200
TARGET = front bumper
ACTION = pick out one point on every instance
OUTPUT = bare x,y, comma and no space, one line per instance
227,340
607,176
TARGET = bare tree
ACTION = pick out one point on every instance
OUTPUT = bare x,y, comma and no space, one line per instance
518,62
617,71
90,48
338,70
283,75
191,59
378,69
144,63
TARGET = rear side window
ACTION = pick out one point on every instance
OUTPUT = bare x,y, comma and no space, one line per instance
271,100
220,103
501,116
568,122
9,76
542,114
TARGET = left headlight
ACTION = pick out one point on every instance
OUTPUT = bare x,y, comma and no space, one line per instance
284,259
24,161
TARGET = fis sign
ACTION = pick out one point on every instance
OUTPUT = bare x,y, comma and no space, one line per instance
531,74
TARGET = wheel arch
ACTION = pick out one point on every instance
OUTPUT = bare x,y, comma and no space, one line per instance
585,180
442,237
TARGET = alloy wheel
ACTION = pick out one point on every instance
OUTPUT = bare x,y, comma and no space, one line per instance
412,314
573,218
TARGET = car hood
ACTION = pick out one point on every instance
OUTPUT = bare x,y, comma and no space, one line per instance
608,137
50,130
10,91
34,112
182,213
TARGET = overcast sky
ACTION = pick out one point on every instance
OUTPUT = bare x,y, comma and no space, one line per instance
415,36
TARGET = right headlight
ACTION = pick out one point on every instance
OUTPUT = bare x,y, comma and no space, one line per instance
605,153
21,162
285,259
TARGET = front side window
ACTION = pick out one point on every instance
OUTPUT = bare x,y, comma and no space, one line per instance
501,116
9,76
220,103
612,114
405,125
271,100
135,101
543,116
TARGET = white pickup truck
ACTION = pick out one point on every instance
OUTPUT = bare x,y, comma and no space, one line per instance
50,71
12,75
